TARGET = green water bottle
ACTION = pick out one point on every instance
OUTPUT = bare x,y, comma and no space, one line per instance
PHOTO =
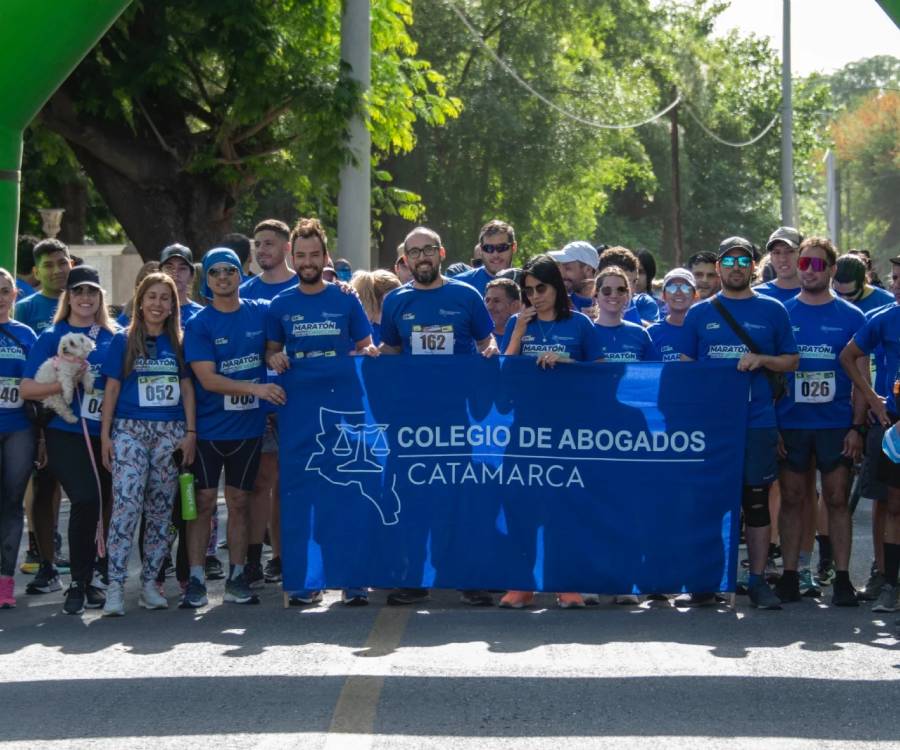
188,498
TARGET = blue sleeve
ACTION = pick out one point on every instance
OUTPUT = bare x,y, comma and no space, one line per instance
482,322
650,353
359,323
785,343
593,347
274,329
868,337
43,349
688,340
389,333
507,334
198,346
647,308
114,362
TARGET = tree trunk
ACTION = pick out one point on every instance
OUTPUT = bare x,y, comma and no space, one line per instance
75,201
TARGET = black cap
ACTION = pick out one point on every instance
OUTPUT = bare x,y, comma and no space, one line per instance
177,251
83,276
896,260
736,243
788,235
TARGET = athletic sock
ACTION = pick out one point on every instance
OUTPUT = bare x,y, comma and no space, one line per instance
804,561
753,580
236,570
824,546
32,543
254,554
198,572
891,563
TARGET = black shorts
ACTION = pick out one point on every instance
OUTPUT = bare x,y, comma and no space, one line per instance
827,445
869,485
239,457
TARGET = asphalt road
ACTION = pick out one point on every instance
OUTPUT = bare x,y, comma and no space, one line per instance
443,675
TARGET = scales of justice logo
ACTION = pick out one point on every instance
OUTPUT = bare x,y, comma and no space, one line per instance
353,452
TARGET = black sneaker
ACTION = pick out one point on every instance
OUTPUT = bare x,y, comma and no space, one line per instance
94,597
704,599
194,595
762,597
254,574
476,598
843,594
788,589
214,570
74,603
45,581
401,597
238,592
273,570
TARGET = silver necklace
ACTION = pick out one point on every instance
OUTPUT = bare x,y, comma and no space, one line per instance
545,334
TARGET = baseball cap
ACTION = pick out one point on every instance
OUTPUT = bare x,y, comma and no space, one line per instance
890,444
895,260
736,243
787,235
177,251
83,276
578,250
679,273
214,257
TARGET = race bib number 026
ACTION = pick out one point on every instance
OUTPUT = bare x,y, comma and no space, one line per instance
432,340
10,398
158,390
814,387
91,404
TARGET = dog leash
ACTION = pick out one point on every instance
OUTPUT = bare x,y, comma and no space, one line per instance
101,531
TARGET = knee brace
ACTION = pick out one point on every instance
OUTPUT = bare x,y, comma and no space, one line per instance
755,502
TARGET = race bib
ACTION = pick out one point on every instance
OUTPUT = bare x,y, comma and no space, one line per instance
432,340
241,403
814,387
10,398
158,390
91,404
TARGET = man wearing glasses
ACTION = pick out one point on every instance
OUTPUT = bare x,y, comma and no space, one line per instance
225,344
708,335
497,242
434,316
850,285
782,248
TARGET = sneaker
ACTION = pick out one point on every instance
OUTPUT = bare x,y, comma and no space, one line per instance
303,598
569,601
772,573
825,572
695,600
517,599
657,597
151,598
872,589
100,580
31,563
194,595
74,603
628,600
62,565
115,600
400,597
591,600
743,578
272,572
808,587
476,598
45,581
887,599
214,570
254,575
237,591
94,598
59,561
355,597
844,595
788,589
762,597
7,586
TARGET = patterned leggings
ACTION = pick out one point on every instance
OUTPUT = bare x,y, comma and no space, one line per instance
144,481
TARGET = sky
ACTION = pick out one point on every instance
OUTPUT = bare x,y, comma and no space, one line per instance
825,34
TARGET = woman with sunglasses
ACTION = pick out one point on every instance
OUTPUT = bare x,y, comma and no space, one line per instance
73,458
620,340
679,293
550,331
148,423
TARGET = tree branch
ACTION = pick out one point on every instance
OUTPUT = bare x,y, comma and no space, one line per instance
267,119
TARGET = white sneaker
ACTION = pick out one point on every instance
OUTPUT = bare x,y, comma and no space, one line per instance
151,598
115,600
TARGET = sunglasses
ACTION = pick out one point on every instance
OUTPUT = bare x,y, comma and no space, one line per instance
607,291
90,291
683,287
730,261
536,289
499,248
429,251
222,271
816,264
846,295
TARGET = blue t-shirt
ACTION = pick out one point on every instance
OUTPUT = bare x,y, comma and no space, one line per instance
13,353
666,338
877,362
771,289
708,336
25,289
573,337
579,303
187,311
325,324
883,330
152,390
235,343
626,342
256,288
477,277
37,311
818,394
45,348
878,298
449,319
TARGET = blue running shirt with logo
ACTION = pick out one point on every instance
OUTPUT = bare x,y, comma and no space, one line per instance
666,338
449,319
626,342
36,312
883,330
573,337
13,353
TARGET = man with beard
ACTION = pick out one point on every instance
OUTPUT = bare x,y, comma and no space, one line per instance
577,262
434,315
703,266
497,244
816,417
271,246
782,248
708,335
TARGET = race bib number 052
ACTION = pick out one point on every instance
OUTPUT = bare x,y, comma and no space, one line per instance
432,340
158,390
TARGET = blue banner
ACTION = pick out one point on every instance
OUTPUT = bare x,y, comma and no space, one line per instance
463,473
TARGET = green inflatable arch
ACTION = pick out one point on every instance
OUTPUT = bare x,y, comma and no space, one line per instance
41,42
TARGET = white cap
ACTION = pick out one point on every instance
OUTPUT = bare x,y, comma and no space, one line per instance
679,273
890,444
578,250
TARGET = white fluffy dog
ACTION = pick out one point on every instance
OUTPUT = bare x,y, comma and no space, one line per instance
68,368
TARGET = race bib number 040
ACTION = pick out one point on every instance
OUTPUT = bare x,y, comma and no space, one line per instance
91,404
432,340
10,398
158,390
814,387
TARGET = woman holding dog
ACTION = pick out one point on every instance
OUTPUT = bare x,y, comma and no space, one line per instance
147,434
74,458
16,435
